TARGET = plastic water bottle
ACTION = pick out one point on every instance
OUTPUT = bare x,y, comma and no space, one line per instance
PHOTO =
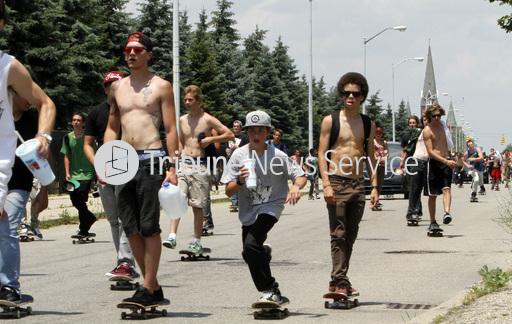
172,200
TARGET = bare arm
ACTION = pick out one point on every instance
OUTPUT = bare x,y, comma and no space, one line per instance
171,133
224,133
325,134
21,81
429,144
66,167
114,117
371,156
88,148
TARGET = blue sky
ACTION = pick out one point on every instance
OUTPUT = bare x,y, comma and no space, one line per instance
471,54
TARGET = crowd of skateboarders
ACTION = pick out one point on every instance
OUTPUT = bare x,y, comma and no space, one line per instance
138,104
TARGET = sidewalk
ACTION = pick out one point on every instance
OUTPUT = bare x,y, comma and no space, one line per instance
59,204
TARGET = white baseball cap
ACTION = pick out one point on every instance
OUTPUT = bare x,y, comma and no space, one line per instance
257,118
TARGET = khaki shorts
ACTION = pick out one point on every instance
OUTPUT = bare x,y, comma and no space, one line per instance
194,181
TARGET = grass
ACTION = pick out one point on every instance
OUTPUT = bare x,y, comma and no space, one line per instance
492,281
65,219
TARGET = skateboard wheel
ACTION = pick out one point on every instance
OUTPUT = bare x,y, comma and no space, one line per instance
164,312
17,314
29,310
356,302
123,315
74,242
92,241
112,287
326,304
182,258
207,257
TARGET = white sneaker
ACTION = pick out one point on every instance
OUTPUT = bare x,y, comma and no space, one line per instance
169,243
273,295
37,234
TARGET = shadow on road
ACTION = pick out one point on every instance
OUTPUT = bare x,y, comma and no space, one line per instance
188,315
41,312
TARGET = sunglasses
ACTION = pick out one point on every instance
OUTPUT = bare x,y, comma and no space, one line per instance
436,116
355,94
136,50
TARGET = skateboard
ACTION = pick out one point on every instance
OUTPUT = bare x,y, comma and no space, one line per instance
473,199
377,208
340,301
26,238
16,309
206,232
123,283
191,256
435,233
233,208
270,309
142,311
481,193
81,239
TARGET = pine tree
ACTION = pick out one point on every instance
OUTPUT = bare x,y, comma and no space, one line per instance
223,23
374,107
155,21
401,120
204,70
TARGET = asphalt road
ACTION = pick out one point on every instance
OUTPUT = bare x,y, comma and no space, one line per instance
399,271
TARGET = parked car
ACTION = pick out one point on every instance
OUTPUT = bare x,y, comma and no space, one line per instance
394,183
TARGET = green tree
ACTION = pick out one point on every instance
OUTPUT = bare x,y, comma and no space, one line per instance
223,23
374,107
401,120
155,21
204,70
504,22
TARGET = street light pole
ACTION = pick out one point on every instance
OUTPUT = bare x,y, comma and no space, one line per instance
393,67
366,40
310,83
176,60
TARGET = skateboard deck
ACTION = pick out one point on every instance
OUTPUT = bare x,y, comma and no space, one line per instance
207,232
123,283
435,233
473,199
191,256
233,208
16,309
270,309
81,239
340,301
141,311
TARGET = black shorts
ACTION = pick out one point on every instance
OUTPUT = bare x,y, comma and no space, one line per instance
439,176
137,202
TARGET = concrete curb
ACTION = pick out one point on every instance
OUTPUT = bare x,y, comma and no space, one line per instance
428,316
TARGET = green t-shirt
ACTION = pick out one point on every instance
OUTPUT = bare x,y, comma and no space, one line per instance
79,167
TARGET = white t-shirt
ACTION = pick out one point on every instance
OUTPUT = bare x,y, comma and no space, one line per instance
273,169
7,135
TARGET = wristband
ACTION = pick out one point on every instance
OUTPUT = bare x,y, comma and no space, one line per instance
47,136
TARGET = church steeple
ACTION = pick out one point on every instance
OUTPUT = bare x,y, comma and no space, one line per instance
429,93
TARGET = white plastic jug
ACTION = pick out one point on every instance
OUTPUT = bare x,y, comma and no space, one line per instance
172,200
39,167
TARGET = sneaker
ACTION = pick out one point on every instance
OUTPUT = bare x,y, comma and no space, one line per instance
23,229
353,291
447,218
268,250
208,223
143,297
9,294
310,198
123,269
159,294
434,227
37,233
273,295
195,247
169,243
342,290
317,197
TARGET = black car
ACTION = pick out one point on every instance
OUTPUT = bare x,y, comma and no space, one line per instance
394,183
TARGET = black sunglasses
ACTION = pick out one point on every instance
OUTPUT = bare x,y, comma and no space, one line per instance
436,115
355,94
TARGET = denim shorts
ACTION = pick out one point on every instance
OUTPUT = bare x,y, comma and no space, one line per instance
137,202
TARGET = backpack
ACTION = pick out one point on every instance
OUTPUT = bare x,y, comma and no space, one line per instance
335,130
410,139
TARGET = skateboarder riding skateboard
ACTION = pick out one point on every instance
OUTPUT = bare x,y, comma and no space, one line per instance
262,202
346,141
139,104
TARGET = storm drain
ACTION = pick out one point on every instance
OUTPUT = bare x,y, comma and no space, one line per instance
419,252
409,306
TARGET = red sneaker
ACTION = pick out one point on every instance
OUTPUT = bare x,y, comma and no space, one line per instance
342,290
122,270
353,291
